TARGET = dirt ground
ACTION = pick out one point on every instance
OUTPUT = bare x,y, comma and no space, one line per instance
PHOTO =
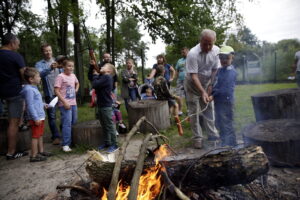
22,180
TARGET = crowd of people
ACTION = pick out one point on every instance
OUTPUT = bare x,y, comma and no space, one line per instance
205,78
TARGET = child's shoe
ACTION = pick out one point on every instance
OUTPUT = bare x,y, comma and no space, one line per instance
112,149
46,154
122,125
66,149
102,147
37,158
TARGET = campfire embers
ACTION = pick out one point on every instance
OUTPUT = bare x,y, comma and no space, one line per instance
280,140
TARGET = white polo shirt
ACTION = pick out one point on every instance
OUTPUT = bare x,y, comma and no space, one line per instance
202,63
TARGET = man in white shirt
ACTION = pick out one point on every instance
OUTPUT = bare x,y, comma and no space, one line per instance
201,66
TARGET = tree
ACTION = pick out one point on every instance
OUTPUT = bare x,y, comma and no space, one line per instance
10,14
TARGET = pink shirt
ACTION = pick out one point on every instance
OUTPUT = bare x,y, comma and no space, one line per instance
66,85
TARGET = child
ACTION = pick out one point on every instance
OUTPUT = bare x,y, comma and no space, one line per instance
148,94
117,115
65,87
35,114
223,95
162,92
103,84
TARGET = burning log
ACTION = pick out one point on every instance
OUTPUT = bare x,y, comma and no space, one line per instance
225,168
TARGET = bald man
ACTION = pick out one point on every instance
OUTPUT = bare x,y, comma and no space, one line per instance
201,66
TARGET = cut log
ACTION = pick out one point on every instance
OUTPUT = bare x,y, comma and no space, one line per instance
87,133
277,104
23,138
230,167
279,138
157,112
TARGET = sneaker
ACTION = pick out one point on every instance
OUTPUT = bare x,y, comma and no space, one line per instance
102,147
122,125
23,127
45,154
16,155
37,158
117,133
180,113
213,138
56,141
198,144
112,149
66,149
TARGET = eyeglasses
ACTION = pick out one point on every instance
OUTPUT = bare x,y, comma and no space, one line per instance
223,57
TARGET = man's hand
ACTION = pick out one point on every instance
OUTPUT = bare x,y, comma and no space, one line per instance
209,90
54,65
205,97
95,72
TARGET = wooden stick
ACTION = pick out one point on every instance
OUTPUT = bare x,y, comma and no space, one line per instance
115,176
171,186
134,185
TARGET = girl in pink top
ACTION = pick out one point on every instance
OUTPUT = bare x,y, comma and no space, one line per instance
65,87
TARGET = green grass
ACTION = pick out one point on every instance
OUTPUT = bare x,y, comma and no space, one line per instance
244,114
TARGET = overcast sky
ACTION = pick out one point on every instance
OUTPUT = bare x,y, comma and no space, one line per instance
269,20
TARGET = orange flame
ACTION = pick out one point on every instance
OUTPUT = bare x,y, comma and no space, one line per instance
149,183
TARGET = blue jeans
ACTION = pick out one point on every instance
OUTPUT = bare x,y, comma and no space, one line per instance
132,95
108,126
68,118
51,113
224,122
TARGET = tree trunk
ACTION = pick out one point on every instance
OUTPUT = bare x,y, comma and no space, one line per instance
230,167
279,139
108,25
87,133
113,13
278,104
157,112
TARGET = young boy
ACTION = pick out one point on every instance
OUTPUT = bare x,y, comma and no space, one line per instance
103,84
35,114
65,87
223,96
162,92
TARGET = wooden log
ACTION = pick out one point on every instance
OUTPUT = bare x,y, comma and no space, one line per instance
277,104
230,167
279,138
87,133
23,138
157,112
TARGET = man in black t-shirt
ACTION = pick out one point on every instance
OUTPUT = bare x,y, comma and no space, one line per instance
12,67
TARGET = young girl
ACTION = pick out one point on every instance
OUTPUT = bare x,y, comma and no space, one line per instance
35,114
65,87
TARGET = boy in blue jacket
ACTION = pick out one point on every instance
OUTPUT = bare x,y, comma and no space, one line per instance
35,114
223,96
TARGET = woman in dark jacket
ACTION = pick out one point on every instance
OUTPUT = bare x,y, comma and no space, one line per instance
129,89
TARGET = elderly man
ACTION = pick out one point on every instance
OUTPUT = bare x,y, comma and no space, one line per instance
12,67
201,66
49,70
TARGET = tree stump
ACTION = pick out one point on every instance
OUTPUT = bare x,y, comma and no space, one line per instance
279,138
23,138
277,104
157,112
87,133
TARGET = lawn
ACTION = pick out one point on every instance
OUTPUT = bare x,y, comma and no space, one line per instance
244,113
